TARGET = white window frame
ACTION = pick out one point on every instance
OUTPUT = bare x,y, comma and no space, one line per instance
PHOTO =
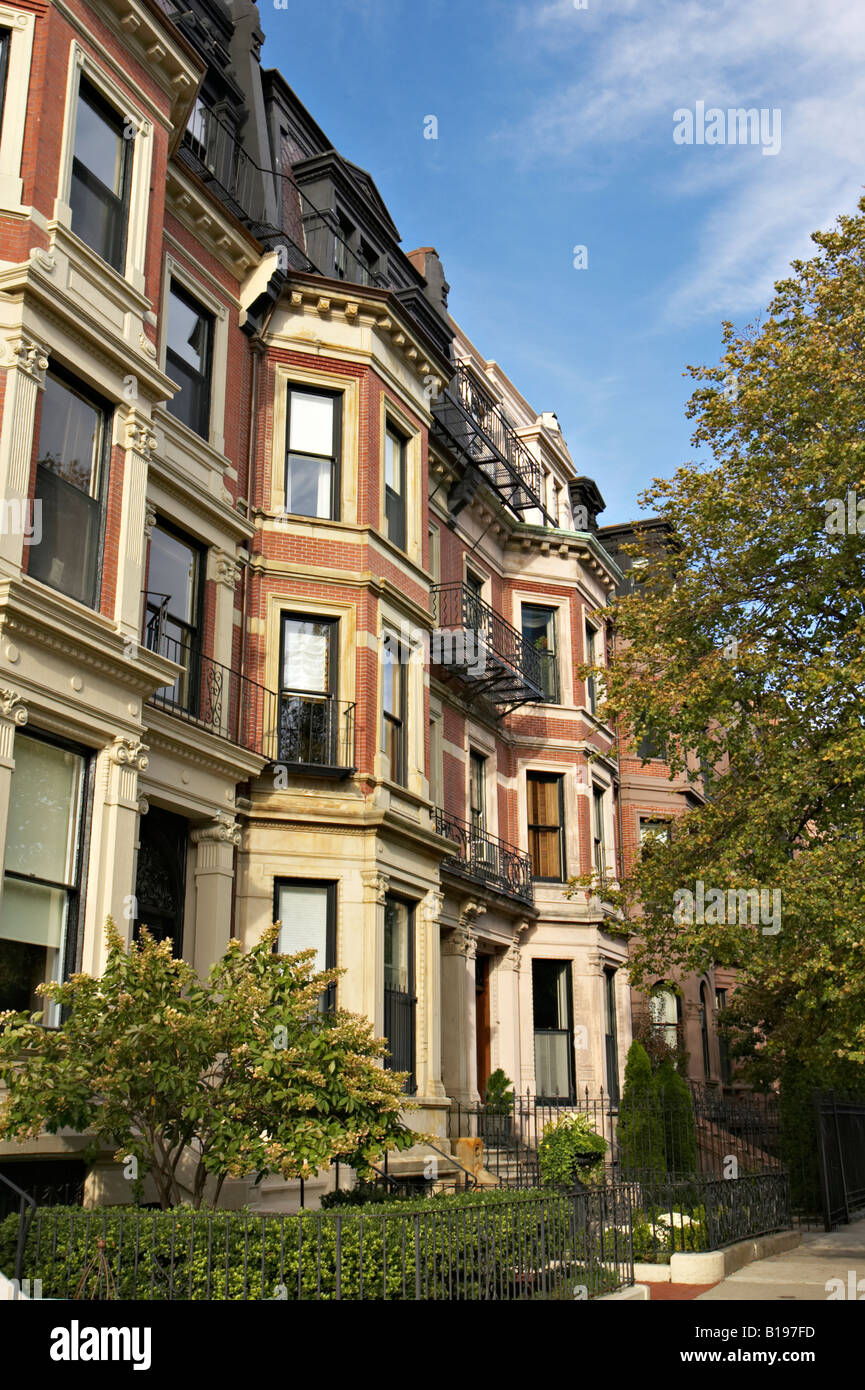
176,270
81,64
21,24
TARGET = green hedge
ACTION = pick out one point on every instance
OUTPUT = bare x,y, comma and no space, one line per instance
477,1245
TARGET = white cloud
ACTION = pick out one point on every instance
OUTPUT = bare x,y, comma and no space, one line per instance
633,64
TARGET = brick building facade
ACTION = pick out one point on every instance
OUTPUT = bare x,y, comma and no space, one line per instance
293,581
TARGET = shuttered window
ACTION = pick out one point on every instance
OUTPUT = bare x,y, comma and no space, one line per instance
546,825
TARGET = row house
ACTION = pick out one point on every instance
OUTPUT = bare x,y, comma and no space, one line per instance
293,581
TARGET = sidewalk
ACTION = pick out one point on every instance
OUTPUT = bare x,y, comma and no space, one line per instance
801,1274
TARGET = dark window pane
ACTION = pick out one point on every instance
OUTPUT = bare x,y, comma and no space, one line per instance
67,491
173,570
539,633
99,192
189,351
40,887
308,486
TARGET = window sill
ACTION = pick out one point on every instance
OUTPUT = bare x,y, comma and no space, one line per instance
109,282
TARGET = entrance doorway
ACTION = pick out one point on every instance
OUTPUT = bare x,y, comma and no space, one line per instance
160,884
482,1021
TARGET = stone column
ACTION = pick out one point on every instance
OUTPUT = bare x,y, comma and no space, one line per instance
429,1020
506,1001
375,886
26,364
459,1025
215,844
13,714
140,442
113,840
224,570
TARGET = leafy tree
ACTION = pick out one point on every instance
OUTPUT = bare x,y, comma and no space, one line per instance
639,1134
676,1114
742,646
242,1074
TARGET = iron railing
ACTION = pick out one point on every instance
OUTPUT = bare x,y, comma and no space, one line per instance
476,642
316,731
400,1009
209,695
551,1245
14,1198
469,419
484,858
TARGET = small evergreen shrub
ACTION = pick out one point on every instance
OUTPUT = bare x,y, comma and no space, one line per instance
563,1142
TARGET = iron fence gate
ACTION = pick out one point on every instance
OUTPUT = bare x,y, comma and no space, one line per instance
841,1139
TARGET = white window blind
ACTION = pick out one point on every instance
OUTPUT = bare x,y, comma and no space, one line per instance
311,424
302,911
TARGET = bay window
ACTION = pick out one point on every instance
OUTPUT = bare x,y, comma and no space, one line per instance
70,485
394,700
312,456
545,794
189,359
394,487
41,888
101,177
306,912
539,633
400,1001
308,724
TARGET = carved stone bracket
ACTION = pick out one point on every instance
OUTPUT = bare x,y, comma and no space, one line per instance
139,435
28,356
226,569
459,942
129,752
12,707
223,829
375,885
470,910
149,520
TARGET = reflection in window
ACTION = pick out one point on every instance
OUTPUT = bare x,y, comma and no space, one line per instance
68,492
312,458
539,633
101,174
188,359
39,912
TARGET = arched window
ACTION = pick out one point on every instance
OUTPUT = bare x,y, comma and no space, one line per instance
664,1013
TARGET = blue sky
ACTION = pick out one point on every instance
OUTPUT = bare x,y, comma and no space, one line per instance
555,129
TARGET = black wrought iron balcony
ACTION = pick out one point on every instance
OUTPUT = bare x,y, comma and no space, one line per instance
485,859
211,696
316,733
469,421
474,642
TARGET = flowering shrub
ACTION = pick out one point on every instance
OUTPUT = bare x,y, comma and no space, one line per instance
659,1233
563,1141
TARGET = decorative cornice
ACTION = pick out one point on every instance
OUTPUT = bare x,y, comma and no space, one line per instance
12,706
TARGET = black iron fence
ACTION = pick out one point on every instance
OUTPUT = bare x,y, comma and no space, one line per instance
841,1149
513,1246
484,858
714,1135
690,1213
